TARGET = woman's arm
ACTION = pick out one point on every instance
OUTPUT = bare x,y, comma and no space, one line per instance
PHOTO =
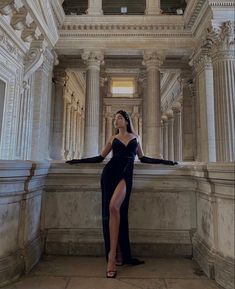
96,159
148,160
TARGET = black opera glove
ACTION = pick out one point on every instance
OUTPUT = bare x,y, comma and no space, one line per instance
96,159
148,160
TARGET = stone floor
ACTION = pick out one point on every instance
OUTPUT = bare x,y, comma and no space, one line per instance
57,272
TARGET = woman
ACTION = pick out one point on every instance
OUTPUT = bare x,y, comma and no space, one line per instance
116,185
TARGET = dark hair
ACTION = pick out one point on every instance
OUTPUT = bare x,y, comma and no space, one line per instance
127,118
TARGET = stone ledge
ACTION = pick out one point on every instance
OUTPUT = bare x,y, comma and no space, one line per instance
84,242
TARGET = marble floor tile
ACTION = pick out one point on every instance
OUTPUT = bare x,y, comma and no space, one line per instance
72,272
39,282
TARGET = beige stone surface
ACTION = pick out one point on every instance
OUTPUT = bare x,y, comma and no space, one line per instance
56,272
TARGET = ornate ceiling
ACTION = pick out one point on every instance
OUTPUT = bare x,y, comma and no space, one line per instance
134,7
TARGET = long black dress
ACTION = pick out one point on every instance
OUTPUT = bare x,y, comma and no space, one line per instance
119,167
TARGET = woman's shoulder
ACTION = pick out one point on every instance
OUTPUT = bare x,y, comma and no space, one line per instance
135,135
111,138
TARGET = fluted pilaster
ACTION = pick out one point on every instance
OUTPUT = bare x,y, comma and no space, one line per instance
67,131
224,88
170,135
57,151
108,124
152,103
165,136
91,142
205,95
188,122
23,131
177,132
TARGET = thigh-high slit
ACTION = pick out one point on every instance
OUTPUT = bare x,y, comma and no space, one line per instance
119,167
109,182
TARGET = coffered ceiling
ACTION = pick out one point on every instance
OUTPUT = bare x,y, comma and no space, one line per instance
134,7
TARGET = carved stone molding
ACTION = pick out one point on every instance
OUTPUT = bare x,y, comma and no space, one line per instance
152,59
201,59
222,37
60,77
93,57
33,59
6,7
11,48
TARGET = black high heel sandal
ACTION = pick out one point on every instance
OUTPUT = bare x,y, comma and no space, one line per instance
111,273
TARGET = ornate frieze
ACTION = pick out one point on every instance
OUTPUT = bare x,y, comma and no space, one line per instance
9,46
123,30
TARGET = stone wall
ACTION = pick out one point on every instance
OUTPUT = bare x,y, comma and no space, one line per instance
213,243
21,231
162,210
178,211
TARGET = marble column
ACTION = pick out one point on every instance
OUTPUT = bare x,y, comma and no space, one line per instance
94,7
165,136
67,131
93,60
108,126
201,62
57,151
223,60
177,132
23,130
73,132
162,137
152,103
42,108
188,122
135,119
78,134
170,134
153,7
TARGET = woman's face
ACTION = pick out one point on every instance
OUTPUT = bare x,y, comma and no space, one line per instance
119,121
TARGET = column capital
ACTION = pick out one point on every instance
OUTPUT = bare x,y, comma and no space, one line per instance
60,77
201,57
221,38
152,59
176,108
93,58
164,118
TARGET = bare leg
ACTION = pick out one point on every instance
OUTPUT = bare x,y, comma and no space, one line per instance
114,221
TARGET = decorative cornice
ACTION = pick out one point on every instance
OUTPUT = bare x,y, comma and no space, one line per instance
223,3
9,46
123,30
191,17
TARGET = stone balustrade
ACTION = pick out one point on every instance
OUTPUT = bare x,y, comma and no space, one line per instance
21,230
184,210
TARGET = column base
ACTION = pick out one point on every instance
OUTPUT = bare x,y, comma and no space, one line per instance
94,12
